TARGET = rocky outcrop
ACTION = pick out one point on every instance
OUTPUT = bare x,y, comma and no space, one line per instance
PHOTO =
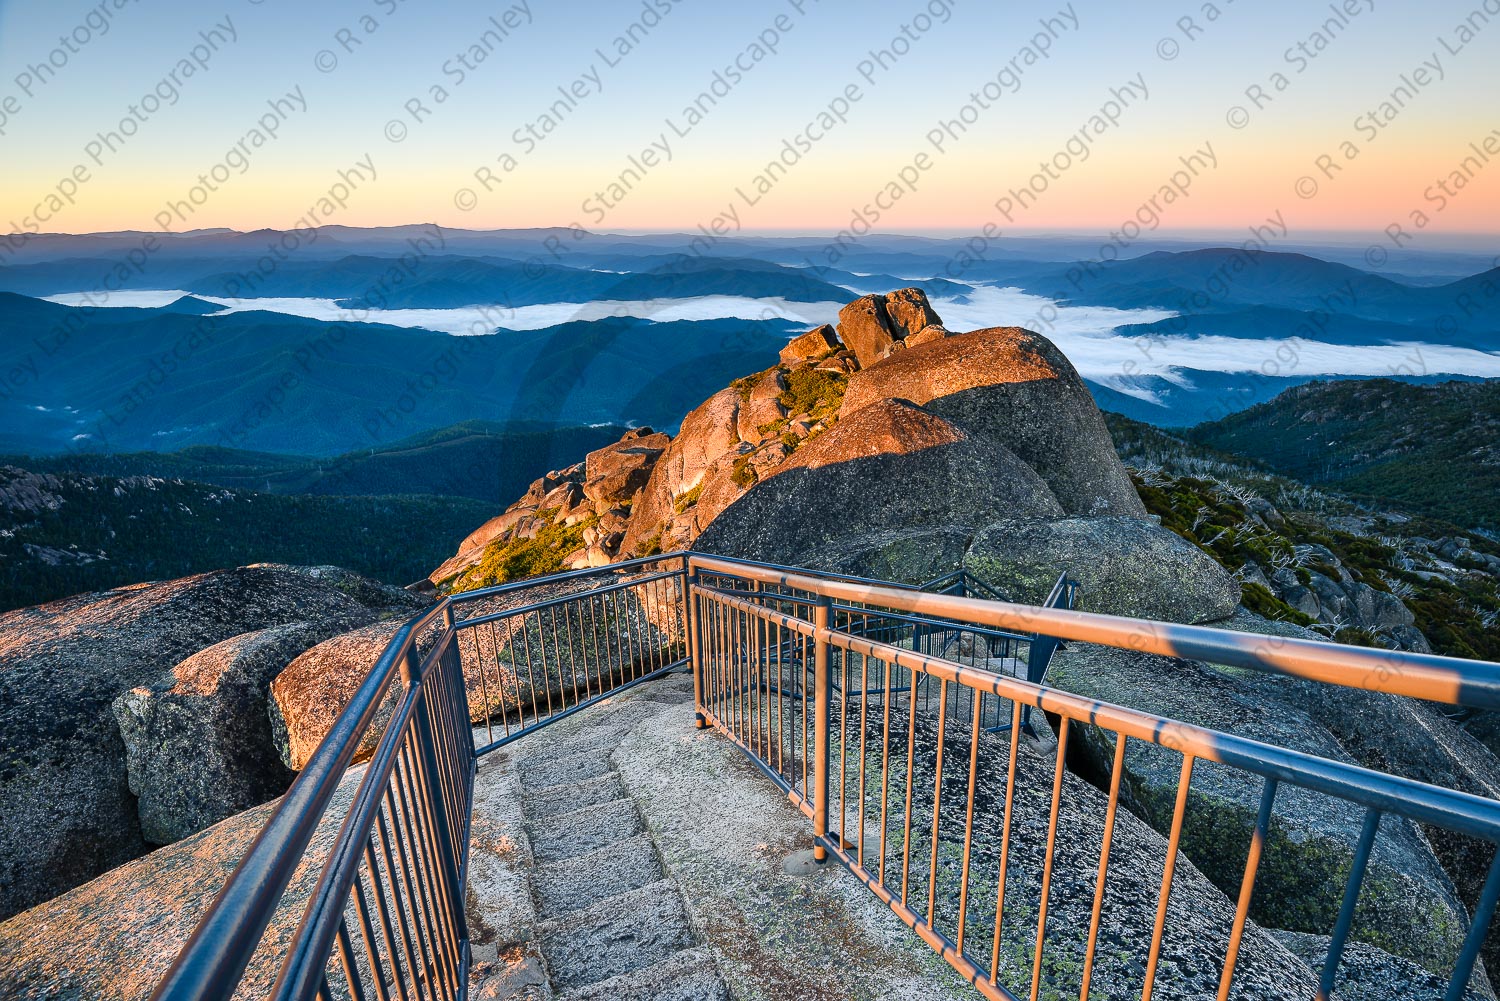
873,325
1126,566
198,740
964,430
1014,387
890,464
66,809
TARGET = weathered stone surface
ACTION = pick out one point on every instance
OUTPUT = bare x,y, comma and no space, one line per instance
66,812
309,694
1014,387
936,332
616,472
889,466
1369,974
760,406
113,938
811,346
708,434
902,555
909,312
1408,906
865,327
1126,566
198,741
470,550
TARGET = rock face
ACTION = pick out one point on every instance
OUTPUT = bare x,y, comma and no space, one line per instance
198,741
1126,566
66,810
309,694
888,464
963,430
1015,387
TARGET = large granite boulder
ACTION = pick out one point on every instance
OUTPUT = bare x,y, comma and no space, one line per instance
1126,566
113,938
198,742
873,325
1015,388
814,345
308,695
901,555
66,810
615,473
891,464
1408,906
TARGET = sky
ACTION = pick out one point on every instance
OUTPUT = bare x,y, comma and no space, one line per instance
949,116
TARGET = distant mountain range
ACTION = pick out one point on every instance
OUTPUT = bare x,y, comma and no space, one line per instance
1433,449
118,380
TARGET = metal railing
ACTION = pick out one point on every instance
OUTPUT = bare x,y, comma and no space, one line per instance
922,801
910,764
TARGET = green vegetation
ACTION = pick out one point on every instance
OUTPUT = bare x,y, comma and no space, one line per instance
89,533
688,499
742,474
1429,448
810,391
517,557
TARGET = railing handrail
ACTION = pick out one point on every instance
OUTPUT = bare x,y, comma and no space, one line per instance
215,957
1454,680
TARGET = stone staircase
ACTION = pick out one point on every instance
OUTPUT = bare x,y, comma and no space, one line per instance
610,923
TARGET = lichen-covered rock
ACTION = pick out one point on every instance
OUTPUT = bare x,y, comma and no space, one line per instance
903,555
1014,387
1369,974
891,464
112,939
1125,566
1408,906
198,741
66,811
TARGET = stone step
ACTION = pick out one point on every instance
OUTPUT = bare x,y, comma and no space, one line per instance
616,936
600,739
689,975
576,883
539,773
544,803
568,835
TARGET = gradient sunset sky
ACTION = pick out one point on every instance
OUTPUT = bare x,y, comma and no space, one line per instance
425,170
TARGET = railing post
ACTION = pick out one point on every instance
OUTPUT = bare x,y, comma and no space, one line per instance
695,644
427,748
821,702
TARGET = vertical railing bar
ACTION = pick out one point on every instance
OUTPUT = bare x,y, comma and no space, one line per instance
1247,886
557,654
594,617
1479,924
385,919
963,885
484,687
452,915
1104,846
536,709
1041,924
937,803
820,729
422,882
350,964
885,770
367,934
864,714
1179,812
1346,909
412,901
911,747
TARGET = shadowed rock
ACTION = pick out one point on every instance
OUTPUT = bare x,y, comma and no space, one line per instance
66,811
1126,566
890,464
1013,387
198,741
